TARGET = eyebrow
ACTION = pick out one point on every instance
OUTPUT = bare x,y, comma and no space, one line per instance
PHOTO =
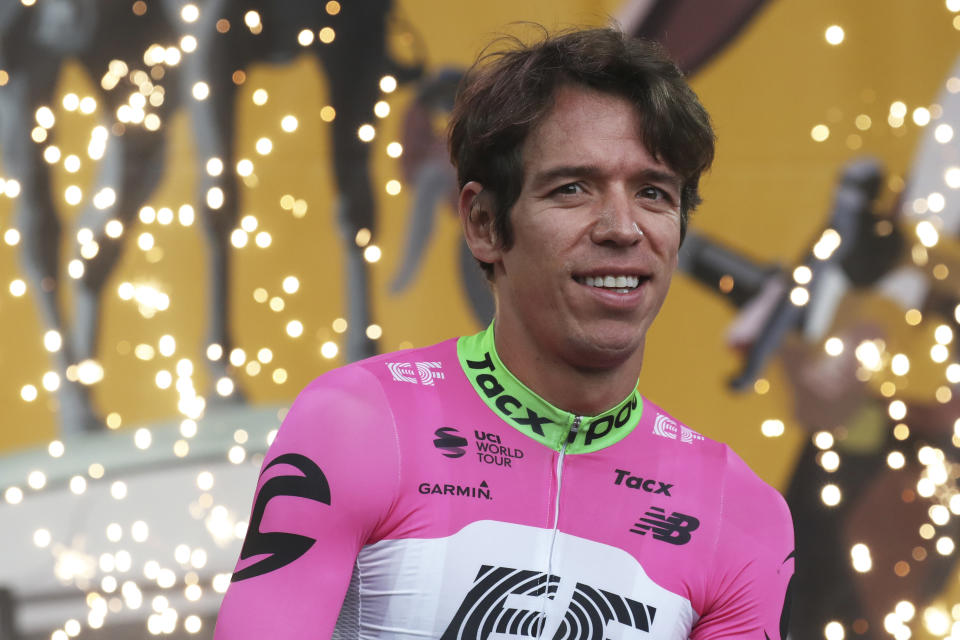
592,171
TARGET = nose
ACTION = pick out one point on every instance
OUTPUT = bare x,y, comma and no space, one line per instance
617,223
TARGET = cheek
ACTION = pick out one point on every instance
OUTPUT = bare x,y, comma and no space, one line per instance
664,234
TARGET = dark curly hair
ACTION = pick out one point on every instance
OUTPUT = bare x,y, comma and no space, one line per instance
510,89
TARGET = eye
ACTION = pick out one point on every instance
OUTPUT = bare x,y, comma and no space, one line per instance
654,193
571,189
656,198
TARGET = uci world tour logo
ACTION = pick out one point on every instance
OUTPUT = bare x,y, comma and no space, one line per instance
450,442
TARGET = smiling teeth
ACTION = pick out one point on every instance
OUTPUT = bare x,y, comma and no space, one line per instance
612,282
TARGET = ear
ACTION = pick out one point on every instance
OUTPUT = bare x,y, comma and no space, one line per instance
475,207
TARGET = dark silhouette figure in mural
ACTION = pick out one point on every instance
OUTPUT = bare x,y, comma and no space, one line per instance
879,507
35,42
354,63
693,31
427,168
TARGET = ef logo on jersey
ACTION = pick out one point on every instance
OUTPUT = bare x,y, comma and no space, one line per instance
509,603
425,373
281,548
667,428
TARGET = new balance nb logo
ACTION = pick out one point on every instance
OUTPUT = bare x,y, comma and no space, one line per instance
509,603
416,372
665,427
675,528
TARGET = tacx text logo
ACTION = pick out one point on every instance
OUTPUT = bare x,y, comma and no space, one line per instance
460,490
666,427
511,407
645,484
505,402
490,449
508,603
424,373
675,528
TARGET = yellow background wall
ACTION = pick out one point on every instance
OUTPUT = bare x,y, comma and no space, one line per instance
768,195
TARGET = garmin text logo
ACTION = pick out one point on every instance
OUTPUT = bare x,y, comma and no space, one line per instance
509,603
450,442
666,427
505,402
416,372
636,482
675,528
448,489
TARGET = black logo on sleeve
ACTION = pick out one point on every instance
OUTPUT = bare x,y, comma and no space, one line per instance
645,484
788,596
513,603
450,442
281,548
675,528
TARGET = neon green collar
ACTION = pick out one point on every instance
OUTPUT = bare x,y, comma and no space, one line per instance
533,416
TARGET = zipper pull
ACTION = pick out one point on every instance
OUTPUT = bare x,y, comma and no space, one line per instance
574,428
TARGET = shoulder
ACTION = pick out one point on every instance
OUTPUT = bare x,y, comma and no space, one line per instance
420,367
364,395
747,502
746,567
680,439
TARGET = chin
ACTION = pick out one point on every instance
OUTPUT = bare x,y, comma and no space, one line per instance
603,348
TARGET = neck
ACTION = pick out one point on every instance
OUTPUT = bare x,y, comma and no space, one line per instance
566,382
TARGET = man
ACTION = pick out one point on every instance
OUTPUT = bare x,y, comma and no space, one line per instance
515,483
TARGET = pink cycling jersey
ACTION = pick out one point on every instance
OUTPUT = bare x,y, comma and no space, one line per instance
429,494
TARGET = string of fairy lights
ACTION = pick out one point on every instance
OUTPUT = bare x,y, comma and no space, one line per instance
143,79
937,482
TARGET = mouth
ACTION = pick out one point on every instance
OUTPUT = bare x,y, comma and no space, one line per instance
616,284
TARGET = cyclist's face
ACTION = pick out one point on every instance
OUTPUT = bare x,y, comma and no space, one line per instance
595,205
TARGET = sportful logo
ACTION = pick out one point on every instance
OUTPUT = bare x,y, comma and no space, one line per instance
509,603
281,548
666,427
675,528
416,372
450,442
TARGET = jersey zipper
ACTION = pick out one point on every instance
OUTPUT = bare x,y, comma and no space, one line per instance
571,436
